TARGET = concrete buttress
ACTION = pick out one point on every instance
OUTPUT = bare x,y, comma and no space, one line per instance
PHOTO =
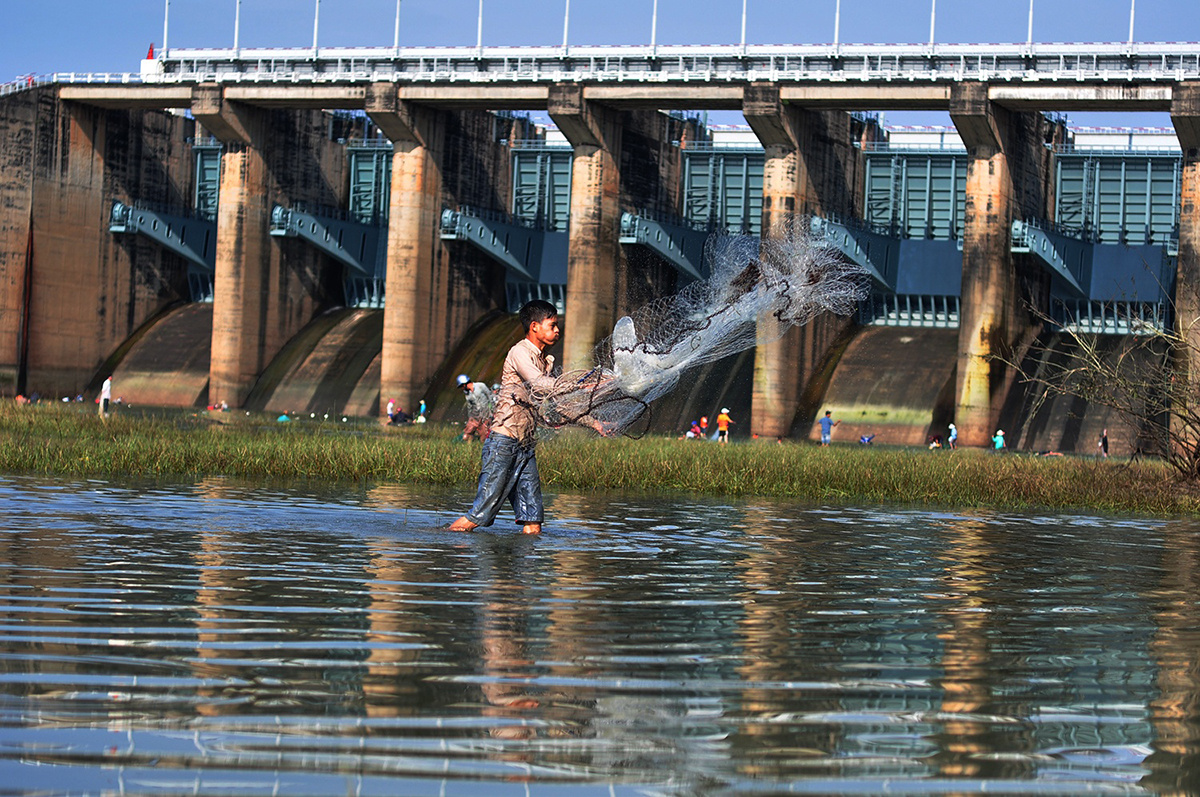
265,289
1185,115
593,248
989,283
417,140
243,216
803,174
70,293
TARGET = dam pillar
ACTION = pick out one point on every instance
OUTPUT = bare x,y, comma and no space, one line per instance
807,169
775,393
412,238
242,250
1185,116
593,248
989,282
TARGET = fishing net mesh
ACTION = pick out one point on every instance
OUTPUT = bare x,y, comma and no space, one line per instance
756,291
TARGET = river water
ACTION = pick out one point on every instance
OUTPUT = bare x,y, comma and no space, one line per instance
220,637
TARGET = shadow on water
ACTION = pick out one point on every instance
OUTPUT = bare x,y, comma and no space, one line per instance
302,638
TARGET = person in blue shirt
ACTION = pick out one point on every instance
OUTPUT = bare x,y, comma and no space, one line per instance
952,440
827,424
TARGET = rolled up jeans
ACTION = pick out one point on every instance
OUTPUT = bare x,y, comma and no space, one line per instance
509,470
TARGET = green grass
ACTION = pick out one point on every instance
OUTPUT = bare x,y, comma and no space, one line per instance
69,440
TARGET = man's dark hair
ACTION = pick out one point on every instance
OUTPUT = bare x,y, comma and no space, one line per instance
537,310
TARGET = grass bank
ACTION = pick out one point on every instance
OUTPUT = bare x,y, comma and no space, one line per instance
72,440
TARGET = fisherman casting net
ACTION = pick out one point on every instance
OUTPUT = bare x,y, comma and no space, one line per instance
756,291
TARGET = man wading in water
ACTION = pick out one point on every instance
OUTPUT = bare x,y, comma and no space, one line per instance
509,467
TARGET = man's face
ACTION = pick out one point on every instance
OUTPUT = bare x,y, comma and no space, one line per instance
545,333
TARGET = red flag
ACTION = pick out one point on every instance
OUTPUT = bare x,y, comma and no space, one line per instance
150,53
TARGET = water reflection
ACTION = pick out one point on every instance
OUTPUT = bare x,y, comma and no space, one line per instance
243,637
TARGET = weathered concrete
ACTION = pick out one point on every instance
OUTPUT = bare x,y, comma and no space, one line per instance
167,364
127,97
1185,115
1035,419
242,261
418,139
435,290
593,250
70,292
464,96
1105,97
869,97
1007,176
265,290
313,97
657,97
896,384
324,368
810,167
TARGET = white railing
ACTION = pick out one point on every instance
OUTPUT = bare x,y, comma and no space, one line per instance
33,81
686,64
665,64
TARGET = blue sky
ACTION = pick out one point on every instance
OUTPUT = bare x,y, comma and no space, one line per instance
90,35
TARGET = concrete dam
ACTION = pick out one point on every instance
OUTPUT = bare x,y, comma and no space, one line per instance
227,227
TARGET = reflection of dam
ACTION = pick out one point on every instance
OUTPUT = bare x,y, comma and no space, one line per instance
349,234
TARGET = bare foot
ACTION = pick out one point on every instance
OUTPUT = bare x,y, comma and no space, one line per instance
532,528
462,524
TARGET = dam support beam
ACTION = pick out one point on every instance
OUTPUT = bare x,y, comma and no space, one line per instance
803,173
593,248
242,251
264,289
412,238
989,282
1185,115
71,293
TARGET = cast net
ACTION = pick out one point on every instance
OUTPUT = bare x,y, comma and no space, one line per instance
756,291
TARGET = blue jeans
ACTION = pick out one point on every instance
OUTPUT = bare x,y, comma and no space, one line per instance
509,470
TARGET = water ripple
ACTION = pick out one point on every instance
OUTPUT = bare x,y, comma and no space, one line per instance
231,637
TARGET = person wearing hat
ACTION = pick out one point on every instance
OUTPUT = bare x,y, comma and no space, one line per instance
998,441
952,440
723,421
479,408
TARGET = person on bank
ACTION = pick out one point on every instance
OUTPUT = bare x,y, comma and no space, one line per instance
396,414
998,441
723,421
479,408
105,396
508,468
827,424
